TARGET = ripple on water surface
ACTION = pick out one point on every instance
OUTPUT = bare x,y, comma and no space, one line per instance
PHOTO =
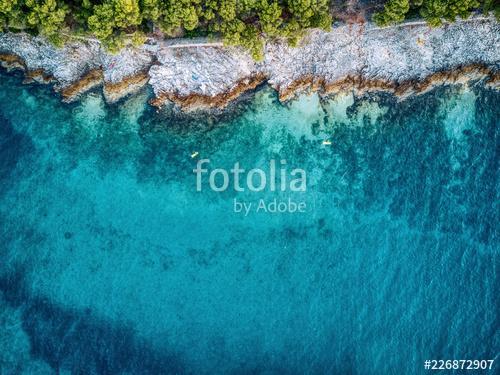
112,262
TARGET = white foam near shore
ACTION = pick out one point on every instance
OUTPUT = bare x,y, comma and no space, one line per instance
411,51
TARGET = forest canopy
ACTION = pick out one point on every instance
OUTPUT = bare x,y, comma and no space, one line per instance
247,23
239,22
432,11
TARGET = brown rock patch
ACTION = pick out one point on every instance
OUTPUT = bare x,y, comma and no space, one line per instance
115,91
197,101
10,61
90,80
361,85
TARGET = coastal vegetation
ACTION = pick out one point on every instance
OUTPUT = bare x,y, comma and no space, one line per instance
247,23
239,22
433,11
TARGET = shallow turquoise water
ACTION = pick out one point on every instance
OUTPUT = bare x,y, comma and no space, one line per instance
113,263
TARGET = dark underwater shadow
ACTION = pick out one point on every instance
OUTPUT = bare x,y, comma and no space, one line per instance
76,340
13,146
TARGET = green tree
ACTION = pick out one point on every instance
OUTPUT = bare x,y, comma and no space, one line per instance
253,42
112,19
227,9
101,22
310,13
6,6
151,9
270,18
126,13
394,12
434,11
46,17
180,14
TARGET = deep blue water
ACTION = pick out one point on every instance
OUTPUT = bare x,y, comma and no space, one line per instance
113,263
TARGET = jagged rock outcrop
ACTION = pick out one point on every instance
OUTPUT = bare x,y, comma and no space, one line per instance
406,59
77,67
410,58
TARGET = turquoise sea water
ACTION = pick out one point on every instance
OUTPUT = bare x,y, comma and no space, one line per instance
113,263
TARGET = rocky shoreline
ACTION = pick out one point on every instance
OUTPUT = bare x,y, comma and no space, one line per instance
197,74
